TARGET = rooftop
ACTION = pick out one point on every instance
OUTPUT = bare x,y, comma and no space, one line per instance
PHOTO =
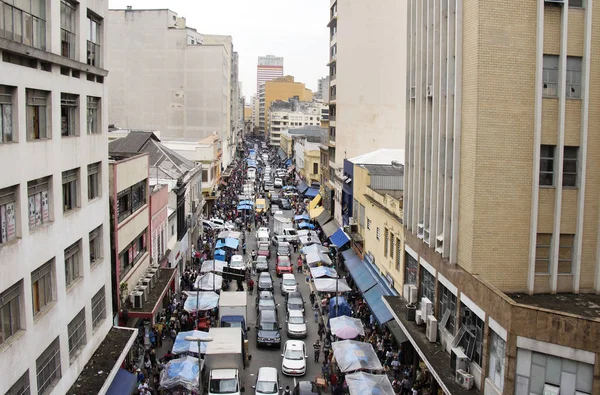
96,371
156,293
383,156
582,305
384,170
396,194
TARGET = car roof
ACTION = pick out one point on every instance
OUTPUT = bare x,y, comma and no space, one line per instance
267,374
295,313
288,275
265,294
264,275
295,294
237,258
294,344
267,315
261,258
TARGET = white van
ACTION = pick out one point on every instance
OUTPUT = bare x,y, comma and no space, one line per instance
237,262
262,237
251,174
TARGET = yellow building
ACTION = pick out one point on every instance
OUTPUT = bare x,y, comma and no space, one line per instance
281,88
247,113
312,163
286,143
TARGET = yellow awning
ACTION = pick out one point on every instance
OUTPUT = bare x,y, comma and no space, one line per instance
315,212
313,203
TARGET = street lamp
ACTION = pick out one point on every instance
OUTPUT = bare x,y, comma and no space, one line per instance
199,340
337,280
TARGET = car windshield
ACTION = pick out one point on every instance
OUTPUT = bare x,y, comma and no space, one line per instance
223,386
292,232
289,281
263,247
265,295
236,264
294,306
293,354
296,320
266,387
284,263
268,326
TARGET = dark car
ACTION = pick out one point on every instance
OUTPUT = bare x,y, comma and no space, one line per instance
294,303
264,295
295,294
265,282
276,201
307,388
261,264
285,204
267,333
264,250
265,304
283,249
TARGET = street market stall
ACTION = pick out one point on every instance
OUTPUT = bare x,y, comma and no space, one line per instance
213,266
361,383
317,259
182,346
182,372
200,301
345,327
331,285
208,282
351,356
323,271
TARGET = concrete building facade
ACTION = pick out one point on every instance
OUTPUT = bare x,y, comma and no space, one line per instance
282,88
500,226
166,76
368,112
55,267
306,159
323,89
268,68
284,115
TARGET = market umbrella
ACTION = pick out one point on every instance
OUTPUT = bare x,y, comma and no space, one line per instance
230,242
220,255
201,300
352,355
302,217
314,248
323,271
344,326
181,372
181,345
213,266
220,244
331,285
361,383
305,225
208,281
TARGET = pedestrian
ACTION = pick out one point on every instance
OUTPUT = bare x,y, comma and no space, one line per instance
325,370
395,364
316,313
312,297
317,348
244,248
251,286
405,385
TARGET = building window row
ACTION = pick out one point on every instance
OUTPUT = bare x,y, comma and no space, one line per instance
77,334
411,267
130,200
131,254
21,386
24,21
73,266
38,114
447,306
550,76
548,166
470,336
427,285
48,367
543,250
398,254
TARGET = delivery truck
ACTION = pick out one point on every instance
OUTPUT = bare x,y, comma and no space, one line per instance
233,310
223,362
283,226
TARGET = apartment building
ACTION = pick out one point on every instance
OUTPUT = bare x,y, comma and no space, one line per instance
306,159
55,264
284,115
500,213
367,92
167,76
323,89
268,68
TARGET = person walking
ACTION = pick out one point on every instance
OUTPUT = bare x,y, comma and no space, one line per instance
312,297
317,348
244,248
251,286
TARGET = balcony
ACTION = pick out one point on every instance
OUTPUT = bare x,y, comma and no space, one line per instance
93,54
332,60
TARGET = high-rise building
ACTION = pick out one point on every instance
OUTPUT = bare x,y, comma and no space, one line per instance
367,109
269,67
55,266
500,195
323,89
181,85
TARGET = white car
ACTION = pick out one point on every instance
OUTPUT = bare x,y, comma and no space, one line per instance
222,224
267,382
237,262
296,324
278,183
262,229
288,283
294,358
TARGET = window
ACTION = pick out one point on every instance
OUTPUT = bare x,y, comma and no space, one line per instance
21,387
93,42
368,224
6,112
410,269
315,168
542,253
355,210
131,199
131,254
37,114
398,254
547,165
48,367
391,245
565,253
24,22
69,189
378,233
576,3
93,115
98,307
73,263
95,245
68,114
550,76
361,215
94,180
68,13
77,335
8,219
42,286
497,360
386,242
447,303
573,89
427,285
39,202
570,167
10,312
472,341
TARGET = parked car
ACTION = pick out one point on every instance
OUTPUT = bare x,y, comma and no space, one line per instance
294,358
225,224
306,388
265,282
284,250
283,265
265,304
237,262
288,283
278,183
264,250
267,382
267,333
261,264
276,240
262,229
264,295
285,204
296,324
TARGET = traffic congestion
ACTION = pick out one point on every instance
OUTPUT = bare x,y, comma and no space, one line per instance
266,303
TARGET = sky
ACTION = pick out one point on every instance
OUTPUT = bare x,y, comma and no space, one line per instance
294,29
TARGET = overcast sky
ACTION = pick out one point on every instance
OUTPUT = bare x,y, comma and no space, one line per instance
294,29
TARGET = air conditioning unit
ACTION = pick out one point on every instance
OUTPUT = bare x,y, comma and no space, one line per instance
151,278
143,288
351,221
153,273
426,307
137,299
464,379
429,90
458,359
412,294
431,330
146,281
155,266
418,317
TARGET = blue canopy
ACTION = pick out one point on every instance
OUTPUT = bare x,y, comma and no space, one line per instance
246,202
288,162
124,383
380,311
302,187
343,307
231,242
181,345
311,192
358,270
181,372
244,207
219,255
302,216
339,238
220,244
252,164
286,187
305,225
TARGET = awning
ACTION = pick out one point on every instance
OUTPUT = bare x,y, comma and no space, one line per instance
312,193
302,187
281,153
375,302
358,270
331,285
291,168
323,218
288,162
124,383
315,212
339,238
396,331
313,203
301,217
230,242
330,228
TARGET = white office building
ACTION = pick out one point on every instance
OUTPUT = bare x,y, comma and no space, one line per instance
55,266
299,115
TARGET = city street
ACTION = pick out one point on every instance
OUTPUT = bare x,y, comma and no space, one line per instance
271,357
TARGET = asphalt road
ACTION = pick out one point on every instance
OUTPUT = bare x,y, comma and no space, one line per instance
271,357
